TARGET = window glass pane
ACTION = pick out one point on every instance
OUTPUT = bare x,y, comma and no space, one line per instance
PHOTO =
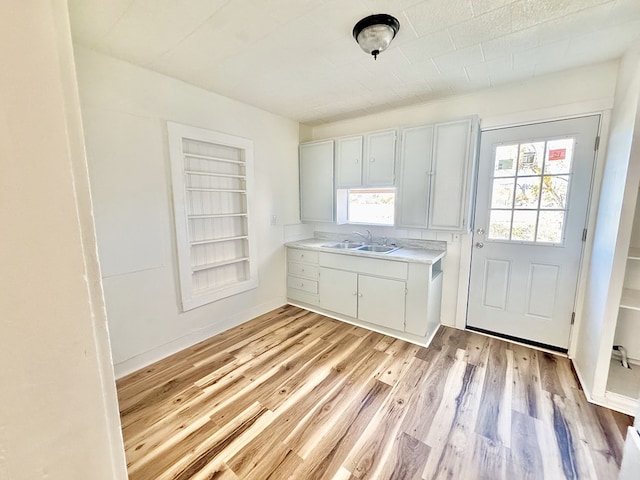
530,158
524,225
502,194
500,224
372,207
559,156
505,165
550,227
527,192
554,191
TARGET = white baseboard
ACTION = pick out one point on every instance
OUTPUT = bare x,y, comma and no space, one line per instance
147,358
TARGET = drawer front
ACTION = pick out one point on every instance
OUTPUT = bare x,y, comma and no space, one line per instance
309,286
303,270
304,256
372,266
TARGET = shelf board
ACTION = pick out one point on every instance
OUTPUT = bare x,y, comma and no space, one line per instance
215,159
624,381
212,174
218,240
225,190
630,299
216,215
634,253
208,266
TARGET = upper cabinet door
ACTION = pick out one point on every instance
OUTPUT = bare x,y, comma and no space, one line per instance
453,152
349,162
414,176
316,181
380,159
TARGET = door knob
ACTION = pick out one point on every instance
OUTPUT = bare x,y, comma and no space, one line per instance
479,244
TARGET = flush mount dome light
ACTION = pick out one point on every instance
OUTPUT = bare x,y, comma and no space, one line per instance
375,32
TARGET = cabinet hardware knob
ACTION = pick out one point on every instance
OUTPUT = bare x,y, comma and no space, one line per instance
359,294
373,159
480,231
479,244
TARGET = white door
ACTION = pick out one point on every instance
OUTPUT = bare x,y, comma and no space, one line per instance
534,184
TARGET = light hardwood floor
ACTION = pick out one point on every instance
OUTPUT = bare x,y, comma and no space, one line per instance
293,394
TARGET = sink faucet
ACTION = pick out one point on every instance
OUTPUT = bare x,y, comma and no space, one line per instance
368,237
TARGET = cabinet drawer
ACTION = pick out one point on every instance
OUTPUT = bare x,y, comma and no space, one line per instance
373,266
303,270
309,286
305,256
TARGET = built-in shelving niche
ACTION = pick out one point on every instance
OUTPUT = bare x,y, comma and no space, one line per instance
623,382
211,184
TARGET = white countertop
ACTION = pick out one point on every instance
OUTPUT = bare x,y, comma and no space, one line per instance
403,254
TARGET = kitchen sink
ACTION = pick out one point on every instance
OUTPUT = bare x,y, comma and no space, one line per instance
343,245
378,248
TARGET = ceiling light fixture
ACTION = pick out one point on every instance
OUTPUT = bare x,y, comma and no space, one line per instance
375,32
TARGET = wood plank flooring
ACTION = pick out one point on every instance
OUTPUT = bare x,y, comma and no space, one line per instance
296,395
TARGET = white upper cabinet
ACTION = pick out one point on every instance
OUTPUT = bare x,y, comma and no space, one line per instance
380,159
451,179
349,161
414,176
366,161
436,175
316,181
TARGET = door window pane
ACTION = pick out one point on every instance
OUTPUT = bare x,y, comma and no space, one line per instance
550,227
500,224
505,163
524,225
530,158
502,193
559,156
527,192
554,191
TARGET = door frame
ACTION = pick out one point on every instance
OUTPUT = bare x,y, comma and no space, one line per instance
466,239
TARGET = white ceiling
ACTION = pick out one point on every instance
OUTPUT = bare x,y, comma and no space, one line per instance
297,58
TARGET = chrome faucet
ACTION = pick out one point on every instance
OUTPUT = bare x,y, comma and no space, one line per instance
368,237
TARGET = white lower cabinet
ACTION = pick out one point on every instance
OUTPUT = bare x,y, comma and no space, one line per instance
401,297
302,275
339,291
371,299
381,301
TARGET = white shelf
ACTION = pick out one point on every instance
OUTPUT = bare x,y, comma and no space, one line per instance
634,253
211,174
208,266
204,189
215,159
216,215
624,381
218,240
630,299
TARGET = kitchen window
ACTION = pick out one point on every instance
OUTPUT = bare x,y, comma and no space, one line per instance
367,206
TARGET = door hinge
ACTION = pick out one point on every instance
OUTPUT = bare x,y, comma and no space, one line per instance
573,318
584,235
597,144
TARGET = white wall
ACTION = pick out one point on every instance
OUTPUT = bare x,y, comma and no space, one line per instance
58,411
613,231
125,109
574,92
